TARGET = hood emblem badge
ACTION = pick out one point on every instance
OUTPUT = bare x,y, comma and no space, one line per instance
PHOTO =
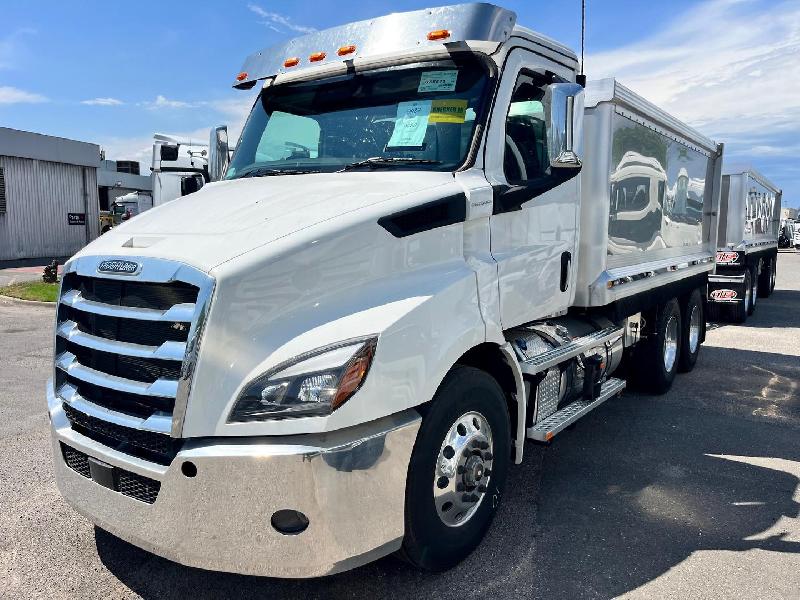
119,267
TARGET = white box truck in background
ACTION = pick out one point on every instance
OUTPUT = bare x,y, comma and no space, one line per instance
747,242
431,245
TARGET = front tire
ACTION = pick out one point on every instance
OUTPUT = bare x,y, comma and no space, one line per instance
658,359
457,470
692,332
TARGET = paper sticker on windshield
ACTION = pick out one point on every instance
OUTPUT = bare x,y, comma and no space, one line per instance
448,111
438,81
410,125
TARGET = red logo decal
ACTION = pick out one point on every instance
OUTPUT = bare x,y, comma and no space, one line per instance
725,258
723,294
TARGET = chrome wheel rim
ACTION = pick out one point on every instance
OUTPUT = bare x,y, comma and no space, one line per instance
747,293
671,343
772,279
694,329
754,292
463,469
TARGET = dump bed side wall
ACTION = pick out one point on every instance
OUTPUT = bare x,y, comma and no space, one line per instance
750,213
649,199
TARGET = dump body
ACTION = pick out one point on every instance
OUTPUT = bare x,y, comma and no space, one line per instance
750,213
650,191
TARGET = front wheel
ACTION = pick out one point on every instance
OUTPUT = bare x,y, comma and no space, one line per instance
457,470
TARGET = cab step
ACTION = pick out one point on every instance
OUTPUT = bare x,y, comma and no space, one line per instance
558,421
551,358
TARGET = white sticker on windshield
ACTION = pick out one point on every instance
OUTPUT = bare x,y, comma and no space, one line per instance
438,81
410,125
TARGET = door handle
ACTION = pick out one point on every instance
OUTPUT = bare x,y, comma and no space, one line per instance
566,262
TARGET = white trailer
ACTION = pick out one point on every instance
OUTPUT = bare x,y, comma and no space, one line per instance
431,245
747,255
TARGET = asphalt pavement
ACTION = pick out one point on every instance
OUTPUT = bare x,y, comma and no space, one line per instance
690,494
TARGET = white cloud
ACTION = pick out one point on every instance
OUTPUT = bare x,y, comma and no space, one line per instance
12,95
12,49
727,67
102,102
163,102
277,21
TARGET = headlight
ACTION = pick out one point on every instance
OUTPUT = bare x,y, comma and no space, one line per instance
313,384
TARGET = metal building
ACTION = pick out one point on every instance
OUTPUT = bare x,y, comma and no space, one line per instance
48,195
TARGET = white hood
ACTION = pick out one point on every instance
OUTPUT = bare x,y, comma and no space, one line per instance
228,218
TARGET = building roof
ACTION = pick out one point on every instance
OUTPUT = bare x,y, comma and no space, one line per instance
26,144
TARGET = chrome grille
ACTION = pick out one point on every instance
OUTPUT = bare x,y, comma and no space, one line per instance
125,351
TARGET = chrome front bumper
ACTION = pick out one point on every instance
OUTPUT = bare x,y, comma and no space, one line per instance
350,484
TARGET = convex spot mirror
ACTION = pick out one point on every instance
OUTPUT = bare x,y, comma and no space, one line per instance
563,104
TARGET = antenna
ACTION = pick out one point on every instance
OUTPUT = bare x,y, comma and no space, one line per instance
581,78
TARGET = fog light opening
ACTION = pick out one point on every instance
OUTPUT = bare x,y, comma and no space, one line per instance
289,522
189,469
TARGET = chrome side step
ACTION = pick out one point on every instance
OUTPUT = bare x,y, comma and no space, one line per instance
558,421
551,358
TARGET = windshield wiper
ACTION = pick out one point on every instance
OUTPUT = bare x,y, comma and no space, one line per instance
268,172
380,161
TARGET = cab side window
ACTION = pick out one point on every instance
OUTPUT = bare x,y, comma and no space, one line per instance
525,160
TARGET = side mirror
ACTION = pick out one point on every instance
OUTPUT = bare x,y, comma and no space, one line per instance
564,112
191,184
169,153
218,153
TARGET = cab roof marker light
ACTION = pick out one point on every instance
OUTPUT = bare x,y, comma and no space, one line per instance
291,62
438,34
345,50
241,76
317,56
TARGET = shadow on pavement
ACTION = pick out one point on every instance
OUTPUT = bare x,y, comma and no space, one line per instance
632,491
781,309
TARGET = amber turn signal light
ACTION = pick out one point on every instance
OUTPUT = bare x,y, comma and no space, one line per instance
291,62
439,34
345,50
317,56
241,76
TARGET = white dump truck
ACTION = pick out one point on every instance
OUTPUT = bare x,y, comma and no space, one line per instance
431,245
747,242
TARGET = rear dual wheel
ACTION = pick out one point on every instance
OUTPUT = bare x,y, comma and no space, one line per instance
658,356
692,333
766,281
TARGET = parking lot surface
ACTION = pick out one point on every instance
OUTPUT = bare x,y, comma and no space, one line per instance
690,494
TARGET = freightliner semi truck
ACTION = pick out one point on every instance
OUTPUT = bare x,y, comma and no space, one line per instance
747,242
431,245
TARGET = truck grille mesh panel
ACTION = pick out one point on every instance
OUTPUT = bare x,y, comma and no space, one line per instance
130,404
126,483
128,367
137,294
149,333
148,445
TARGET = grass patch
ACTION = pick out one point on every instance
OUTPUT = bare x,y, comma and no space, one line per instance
32,290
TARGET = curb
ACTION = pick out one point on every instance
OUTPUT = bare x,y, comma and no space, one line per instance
27,302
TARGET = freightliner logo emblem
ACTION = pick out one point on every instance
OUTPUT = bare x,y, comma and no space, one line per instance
120,267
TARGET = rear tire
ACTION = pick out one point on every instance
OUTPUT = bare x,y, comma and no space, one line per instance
659,355
435,537
693,319
766,281
740,310
753,290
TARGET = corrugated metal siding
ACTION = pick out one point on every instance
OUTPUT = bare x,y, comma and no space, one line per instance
39,195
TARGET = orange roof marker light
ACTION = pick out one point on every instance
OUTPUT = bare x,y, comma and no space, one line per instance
439,34
317,56
291,62
345,50
241,76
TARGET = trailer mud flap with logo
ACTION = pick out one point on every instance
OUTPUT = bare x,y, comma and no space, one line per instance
726,289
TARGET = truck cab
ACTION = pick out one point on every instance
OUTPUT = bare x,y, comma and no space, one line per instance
411,266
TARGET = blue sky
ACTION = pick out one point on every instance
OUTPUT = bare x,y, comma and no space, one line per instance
115,73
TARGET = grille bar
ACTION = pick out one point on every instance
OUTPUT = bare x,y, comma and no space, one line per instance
169,350
163,388
179,312
157,422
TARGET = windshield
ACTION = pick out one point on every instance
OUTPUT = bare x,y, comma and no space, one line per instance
418,116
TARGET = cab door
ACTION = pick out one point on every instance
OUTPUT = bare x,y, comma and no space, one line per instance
534,225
